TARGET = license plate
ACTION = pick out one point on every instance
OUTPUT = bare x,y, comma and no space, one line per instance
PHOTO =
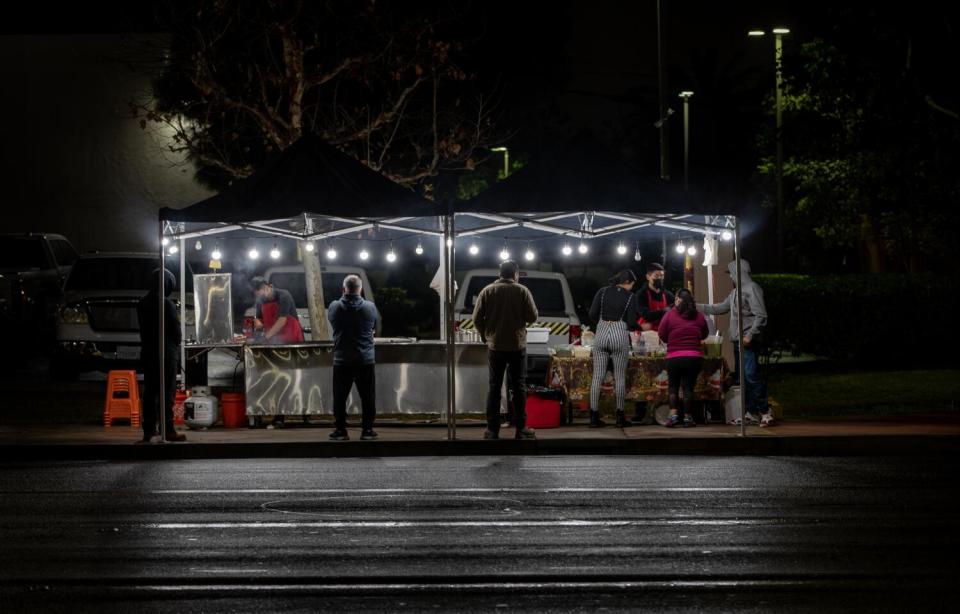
128,353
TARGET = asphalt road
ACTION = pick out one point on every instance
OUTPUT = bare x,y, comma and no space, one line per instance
556,534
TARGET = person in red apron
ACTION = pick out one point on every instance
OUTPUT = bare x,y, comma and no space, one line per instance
276,313
652,300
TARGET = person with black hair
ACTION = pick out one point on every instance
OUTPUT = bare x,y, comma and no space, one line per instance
501,314
276,313
614,313
148,315
654,301
683,330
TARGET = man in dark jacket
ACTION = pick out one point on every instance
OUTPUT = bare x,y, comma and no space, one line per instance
501,314
148,314
353,320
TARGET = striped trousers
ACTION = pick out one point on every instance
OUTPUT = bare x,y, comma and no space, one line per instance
612,340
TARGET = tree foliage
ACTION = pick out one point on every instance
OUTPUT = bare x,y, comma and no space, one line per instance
242,79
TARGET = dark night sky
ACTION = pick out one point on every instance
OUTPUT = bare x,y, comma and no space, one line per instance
560,67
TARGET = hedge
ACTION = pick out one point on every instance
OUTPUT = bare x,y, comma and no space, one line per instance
872,319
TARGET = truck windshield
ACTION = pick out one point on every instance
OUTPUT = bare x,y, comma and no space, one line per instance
547,294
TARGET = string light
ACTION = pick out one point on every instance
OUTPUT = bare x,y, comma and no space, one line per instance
529,255
215,254
331,252
308,246
253,253
274,253
504,253
726,235
165,241
198,245
391,255
637,255
692,250
419,249
449,242
681,247
474,250
174,249
621,249
364,254
567,250
582,248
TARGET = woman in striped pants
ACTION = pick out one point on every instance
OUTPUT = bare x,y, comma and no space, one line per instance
614,311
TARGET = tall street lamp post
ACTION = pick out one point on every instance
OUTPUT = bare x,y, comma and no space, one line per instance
685,96
778,34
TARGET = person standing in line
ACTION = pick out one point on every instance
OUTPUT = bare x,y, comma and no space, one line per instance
502,312
614,313
753,379
683,330
148,314
353,320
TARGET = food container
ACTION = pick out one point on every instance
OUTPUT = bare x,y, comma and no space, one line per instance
713,346
564,351
580,351
538,335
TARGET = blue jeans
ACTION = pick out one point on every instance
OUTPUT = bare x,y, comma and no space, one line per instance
756,381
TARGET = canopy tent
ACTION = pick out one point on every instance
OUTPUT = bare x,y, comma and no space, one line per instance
580,190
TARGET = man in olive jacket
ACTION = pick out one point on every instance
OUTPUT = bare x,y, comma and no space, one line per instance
501,315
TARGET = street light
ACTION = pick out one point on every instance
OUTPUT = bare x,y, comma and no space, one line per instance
685,96
506,159
778,34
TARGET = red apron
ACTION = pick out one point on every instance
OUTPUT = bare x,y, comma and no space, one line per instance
291,331
654,305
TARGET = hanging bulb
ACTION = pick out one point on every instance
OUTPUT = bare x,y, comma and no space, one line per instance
419,249
274,253
364,254
504,253
529,255
582,248
165,241
174,249
692,250
621,249
215,254
681,247
253,253
198,245
449,242
331,253
474,250
308,246
726,235
637,255
567,250
391,255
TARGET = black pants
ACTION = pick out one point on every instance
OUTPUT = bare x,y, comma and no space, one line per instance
514,364
344,377
682,371
151,394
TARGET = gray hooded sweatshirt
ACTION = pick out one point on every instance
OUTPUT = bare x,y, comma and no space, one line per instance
754,309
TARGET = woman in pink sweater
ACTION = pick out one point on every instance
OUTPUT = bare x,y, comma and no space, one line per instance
683,329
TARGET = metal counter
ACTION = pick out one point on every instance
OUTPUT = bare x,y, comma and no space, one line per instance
298,379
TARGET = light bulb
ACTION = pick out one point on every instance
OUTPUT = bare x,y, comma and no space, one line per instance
637,256
165,241
726,235
567,250
504,254
198,245
621,249
215,254
274,253
692,251
174,249
253,254
419,249
474,250
582,248
331,253
681,247
529,255
449,242
391,256
364,254
308,246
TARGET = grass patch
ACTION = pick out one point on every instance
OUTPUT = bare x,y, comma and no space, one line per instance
826,393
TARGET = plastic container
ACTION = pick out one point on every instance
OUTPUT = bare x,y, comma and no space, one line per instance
542,411
538,335
178,400
234,409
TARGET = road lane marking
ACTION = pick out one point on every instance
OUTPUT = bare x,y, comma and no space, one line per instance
271,491
390,524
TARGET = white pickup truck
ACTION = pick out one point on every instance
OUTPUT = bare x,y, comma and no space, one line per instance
555,306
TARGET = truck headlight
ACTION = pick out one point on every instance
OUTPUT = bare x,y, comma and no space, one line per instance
73,314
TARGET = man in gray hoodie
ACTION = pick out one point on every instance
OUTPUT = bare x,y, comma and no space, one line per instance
353,321
754,322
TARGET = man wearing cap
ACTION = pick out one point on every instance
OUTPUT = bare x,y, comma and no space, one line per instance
653,300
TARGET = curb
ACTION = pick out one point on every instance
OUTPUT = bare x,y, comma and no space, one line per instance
886,445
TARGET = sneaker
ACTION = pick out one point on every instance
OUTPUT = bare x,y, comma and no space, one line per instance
751,419
688,422
766,419
368,434
525,433
488,434
339,435
672,421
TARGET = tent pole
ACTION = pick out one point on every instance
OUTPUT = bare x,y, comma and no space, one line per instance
739,341
161,311
183,310
451,347
443,288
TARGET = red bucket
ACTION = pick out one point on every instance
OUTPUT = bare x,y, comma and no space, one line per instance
542,413
178,401
234,408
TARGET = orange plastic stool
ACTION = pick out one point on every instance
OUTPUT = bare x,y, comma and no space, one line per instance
123,398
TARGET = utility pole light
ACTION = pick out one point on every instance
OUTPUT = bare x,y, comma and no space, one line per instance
685,96
778,34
